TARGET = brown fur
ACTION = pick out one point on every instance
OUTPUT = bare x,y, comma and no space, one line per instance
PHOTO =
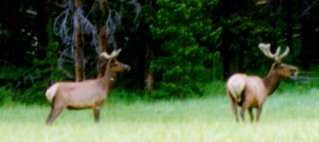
250,92
85,94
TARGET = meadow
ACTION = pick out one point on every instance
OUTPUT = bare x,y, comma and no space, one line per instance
291,114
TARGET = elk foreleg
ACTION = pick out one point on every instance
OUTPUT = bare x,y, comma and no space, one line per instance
259,110
250,111
96,110
242,113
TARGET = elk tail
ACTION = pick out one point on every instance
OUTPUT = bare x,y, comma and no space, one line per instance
236,86
50,92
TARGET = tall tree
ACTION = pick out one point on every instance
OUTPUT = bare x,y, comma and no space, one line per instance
149,45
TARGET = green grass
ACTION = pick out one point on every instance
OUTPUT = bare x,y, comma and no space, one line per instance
289,116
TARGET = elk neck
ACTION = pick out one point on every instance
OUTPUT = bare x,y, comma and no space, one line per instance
272,81
108,80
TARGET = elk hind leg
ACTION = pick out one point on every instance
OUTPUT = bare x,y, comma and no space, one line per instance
55,111
234,108
233,102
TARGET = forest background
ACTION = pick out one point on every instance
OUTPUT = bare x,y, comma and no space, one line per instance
176,49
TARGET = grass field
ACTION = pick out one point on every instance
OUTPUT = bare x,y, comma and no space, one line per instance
289,116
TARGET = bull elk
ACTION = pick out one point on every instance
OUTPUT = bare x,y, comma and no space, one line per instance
250,92
85,94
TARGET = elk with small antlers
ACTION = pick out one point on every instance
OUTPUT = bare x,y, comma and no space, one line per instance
250,92
85,94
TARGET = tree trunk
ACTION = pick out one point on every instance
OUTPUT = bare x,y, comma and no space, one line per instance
228,54
77,45
149,78
103,45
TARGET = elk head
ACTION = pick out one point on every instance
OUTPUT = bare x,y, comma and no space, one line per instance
283,70
112,63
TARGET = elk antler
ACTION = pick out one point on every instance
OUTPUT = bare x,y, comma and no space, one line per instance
114,54
265,48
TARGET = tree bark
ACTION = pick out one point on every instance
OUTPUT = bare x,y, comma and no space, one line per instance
77,45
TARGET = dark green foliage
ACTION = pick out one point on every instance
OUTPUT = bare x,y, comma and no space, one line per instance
249,32
6,94
182,27
249,29
34,94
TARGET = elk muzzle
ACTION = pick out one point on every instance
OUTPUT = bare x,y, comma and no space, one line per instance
126,67
293,71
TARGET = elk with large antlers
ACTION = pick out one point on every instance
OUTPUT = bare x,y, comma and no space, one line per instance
250,92
85,94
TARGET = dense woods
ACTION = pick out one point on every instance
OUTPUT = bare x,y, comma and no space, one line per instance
174,48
